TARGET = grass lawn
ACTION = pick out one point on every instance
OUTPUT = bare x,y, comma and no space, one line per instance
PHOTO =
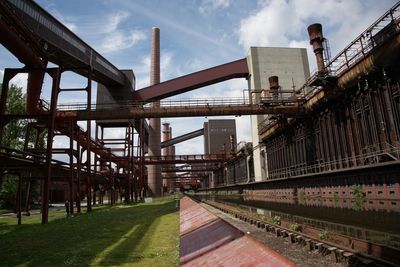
124,235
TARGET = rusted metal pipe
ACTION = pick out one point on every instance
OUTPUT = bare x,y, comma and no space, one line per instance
316,40
274,86
386,55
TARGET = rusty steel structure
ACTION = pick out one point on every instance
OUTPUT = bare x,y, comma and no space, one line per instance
341,128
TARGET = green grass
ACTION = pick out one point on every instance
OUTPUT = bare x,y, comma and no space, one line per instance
125,235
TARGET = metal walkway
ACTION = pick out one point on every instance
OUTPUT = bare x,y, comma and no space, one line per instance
178,108
60,45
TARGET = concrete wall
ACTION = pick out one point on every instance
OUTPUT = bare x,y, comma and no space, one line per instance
291,66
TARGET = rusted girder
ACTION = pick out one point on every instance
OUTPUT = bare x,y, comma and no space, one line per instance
235,69
166,112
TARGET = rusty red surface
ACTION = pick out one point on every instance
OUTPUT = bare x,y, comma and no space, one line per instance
235,69
207,240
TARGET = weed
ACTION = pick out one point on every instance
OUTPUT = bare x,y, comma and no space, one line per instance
276,220
296,227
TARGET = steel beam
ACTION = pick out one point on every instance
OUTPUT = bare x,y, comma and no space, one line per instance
235,69
164,112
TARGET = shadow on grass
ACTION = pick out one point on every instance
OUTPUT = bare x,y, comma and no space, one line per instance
107,236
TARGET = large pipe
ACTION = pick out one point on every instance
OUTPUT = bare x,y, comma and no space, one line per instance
316,40
154,171
386,55
274,86
166,150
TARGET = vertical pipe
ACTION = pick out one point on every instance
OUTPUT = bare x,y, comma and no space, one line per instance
167,150
19,198
28,197
154,171
78,173
274,86
55,74
316,40
3,100
129,171
88,150
71,166
391,122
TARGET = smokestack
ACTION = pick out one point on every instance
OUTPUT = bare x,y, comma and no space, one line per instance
166,137
316,40
274,86
154,171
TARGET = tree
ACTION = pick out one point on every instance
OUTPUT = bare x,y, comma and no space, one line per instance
13,137
13,134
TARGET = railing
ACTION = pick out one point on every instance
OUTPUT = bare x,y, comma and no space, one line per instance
199,157
372,156
38,158
175,103
381,30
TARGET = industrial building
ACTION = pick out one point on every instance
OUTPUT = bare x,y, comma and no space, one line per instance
219,135
326,138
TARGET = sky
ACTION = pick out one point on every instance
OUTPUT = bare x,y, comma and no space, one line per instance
198,34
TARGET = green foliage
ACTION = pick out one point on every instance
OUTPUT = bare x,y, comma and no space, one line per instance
302,195
8,191
359,197
295,227
276,220
323,235
14,133
13,137
125,235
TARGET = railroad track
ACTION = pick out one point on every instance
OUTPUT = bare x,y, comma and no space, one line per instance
337,252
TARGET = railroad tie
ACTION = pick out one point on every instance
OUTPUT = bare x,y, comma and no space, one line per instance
319,247
299,239
291,237
309,244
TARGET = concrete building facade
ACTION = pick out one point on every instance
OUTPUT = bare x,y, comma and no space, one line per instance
291,66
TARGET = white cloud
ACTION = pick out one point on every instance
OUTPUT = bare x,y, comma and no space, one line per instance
167,72
208,6
113,21
284,23
115,37
179,27
119,40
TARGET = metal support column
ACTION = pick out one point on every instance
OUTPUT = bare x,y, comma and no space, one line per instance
19,198
55,74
